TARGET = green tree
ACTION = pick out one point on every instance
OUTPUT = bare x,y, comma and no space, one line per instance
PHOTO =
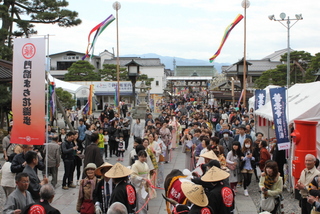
299,62
26,13
66,99
145,78
314,65
277,76
302,67
5,102
109,73
82,70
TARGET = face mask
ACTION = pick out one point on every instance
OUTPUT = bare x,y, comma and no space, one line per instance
98,125
225,135
247,145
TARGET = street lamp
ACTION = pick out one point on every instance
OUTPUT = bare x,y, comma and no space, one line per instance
116,5
288,26
133,73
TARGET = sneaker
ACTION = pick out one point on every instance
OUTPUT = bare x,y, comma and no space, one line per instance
78,183
118,159
72,186
245,192
65,187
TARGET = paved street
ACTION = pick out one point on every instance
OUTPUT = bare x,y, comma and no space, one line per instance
65,200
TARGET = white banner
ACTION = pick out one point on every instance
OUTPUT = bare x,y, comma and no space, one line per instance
28,91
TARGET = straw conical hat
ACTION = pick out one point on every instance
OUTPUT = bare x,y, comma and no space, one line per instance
215,174
195,193
105,165
210,155
118,171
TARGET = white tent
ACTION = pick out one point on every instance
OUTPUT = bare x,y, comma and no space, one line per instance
77,90
304,104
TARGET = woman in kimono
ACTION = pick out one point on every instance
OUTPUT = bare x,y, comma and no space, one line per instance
166,138
163,147
140,180
175,130
156,150
154,167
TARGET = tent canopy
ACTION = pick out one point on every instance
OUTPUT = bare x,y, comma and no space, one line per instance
67,86
303,103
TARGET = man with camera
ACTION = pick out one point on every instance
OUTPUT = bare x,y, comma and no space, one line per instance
305,179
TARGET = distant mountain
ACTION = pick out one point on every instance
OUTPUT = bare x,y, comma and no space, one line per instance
168,61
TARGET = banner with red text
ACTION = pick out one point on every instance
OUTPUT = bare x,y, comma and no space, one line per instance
28,91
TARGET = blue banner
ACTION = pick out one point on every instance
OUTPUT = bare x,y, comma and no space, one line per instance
259,98
278,104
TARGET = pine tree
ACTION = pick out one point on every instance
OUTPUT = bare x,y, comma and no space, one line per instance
25,14
82,70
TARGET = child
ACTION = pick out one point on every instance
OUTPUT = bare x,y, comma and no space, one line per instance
101,142
120,149
106,143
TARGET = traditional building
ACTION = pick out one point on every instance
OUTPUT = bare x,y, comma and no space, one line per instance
60,62
256,68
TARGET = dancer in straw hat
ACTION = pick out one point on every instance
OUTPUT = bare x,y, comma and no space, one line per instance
201,168
221,197
196,195
103,190
123,191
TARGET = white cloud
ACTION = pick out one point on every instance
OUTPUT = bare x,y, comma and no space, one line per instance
190,28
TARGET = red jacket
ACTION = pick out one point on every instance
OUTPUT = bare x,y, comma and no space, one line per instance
264,156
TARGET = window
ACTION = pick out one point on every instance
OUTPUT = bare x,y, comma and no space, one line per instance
63,65
157,83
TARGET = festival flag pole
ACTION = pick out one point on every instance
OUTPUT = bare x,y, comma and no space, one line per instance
47,115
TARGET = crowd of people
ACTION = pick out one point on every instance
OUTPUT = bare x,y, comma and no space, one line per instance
221,148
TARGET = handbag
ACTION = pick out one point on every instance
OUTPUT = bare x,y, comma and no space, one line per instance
87,207
267,204
161,158
231,166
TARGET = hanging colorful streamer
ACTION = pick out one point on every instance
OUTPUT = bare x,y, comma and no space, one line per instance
99,29
226,34
52,103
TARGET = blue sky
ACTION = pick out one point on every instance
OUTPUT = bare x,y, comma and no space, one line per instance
190,28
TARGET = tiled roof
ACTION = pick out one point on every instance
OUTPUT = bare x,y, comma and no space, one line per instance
141,61
71,52
257,65
5,70
276,55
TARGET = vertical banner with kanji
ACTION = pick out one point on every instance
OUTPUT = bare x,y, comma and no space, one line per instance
278,104
28,91
259,98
